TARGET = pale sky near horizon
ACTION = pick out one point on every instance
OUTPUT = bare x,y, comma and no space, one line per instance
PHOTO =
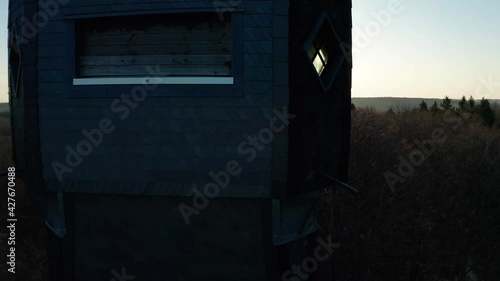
428,49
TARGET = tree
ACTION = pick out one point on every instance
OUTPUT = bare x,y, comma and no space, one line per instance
423,106
353,107
446,104
462,104
472,104
390,111
486,113
435,108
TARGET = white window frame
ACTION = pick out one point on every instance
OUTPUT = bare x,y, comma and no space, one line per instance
180,80
172,80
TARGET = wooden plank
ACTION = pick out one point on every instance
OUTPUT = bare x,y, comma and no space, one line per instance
165,70
162,49
131,29
154,60
155,39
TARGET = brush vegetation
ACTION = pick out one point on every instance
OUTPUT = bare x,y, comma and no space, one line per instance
440,223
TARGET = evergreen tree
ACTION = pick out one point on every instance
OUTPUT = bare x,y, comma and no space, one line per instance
423,106
462,104
435,108
390,111
353,107
486,113
446,104
472,104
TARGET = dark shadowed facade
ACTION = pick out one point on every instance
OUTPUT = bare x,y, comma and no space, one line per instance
155,137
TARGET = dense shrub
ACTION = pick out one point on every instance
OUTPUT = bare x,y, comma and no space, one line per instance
441,223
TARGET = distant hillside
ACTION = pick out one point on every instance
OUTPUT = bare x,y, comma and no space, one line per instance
383,104
379,104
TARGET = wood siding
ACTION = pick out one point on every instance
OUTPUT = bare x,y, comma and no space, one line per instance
167,146
179,45
170,130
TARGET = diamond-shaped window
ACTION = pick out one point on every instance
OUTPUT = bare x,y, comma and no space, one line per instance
324,51
15,68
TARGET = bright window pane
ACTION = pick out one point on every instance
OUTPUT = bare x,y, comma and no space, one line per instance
318,64
324,56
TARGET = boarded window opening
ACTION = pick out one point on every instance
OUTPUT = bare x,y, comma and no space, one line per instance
196,44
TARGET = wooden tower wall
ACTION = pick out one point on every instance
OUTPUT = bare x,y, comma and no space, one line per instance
119,207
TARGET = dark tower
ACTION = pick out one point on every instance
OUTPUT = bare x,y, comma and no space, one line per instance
179,140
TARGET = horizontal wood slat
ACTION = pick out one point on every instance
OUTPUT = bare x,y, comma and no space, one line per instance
222,36
156,28
164,70
165,49
154,60
191,45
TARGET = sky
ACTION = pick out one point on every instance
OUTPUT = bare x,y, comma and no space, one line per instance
4,88
429,48
406,48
